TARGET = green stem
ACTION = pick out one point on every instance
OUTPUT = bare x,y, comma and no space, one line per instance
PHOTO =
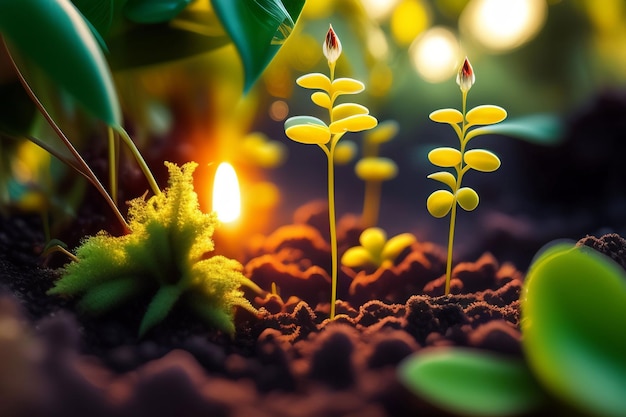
142,163
113,150
83,168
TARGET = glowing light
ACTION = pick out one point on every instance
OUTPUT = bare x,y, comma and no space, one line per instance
435,54
378,9
377,43
226,194
503,25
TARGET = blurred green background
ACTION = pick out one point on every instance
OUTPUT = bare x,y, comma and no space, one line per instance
184,102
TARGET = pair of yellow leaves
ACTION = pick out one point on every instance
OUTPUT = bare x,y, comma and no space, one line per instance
346,117
375,249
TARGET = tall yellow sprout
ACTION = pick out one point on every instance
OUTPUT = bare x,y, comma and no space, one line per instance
442,202
346,117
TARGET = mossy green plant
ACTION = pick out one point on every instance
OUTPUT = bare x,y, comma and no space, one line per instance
376,250
168,254
442,202
345,117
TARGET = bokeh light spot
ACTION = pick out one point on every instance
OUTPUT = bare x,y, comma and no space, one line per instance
503,25
435,54
379,9
409,19
279,110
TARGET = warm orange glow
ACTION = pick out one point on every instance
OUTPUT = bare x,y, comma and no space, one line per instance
226,193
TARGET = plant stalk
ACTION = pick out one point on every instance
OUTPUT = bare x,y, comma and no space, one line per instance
459,172
333,230
85,170
371,204
140,161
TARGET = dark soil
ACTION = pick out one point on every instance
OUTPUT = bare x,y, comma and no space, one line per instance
289,361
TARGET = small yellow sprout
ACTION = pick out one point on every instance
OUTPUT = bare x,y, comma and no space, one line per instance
376,250
374,171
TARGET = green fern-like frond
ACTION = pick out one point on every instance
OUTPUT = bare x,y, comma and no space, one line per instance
167,254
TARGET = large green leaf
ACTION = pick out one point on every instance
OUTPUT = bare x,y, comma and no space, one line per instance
541,129
258,28
573,318
153,11
98,12
55,36
472,382
145,45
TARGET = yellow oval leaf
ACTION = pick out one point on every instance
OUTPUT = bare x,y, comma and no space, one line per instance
445,157
482,160
444,177
467,198
373,239
485,115
385,131
356,257
344,152
321,99
311,134
270,155
314,80
354,123
439,203
376,169
346,86
396,245
451,116
348,109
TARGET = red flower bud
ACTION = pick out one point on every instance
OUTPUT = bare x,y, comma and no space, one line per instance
465,77
332,46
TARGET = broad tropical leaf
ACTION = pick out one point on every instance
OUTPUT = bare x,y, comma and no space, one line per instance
258,28
54,35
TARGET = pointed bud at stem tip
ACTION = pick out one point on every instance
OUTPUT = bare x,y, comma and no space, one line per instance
465,78
332,46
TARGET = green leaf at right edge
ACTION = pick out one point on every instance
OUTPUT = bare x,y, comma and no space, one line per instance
54,35
258,28
573,306
471,382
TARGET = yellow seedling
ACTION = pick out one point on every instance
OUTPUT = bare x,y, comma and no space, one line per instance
345,117
374,170
442,202
376,250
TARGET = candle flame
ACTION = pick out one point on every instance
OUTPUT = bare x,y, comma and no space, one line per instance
226,194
